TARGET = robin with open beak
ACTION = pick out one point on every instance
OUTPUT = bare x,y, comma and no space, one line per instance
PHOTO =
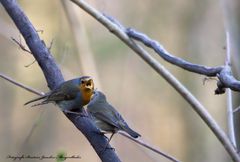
70,95
106,117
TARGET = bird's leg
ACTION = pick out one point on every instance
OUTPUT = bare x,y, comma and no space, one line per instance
110,137
100,133
108,143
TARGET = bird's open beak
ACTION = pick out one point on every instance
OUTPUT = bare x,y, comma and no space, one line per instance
89,84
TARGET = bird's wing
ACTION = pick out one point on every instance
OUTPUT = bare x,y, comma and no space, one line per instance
66,91
62,93
108,118
120,121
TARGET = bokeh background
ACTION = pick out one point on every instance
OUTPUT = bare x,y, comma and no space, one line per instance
190,29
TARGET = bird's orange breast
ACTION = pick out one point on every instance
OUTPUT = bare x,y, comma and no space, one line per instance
86,95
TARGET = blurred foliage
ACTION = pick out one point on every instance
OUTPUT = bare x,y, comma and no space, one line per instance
190,29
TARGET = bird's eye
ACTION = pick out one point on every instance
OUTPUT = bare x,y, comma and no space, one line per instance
88,84
82,82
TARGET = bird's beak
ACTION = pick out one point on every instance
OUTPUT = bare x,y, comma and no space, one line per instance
89,84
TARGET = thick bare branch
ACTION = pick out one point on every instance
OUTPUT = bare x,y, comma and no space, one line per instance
227,79
162,52
222,72
54,77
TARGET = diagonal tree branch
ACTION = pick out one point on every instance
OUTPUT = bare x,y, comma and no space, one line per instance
144,144
122,133
21,85
54,77
196,105
230,118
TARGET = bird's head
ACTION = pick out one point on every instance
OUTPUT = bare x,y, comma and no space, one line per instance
86,86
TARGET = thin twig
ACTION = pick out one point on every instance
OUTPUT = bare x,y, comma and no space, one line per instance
50,46
196,105
49,49
144,144
206,79
20,45
30,63
24,49
40,31
25,87
33,128
21,85
236,109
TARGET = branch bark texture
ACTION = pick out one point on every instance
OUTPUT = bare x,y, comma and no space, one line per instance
54,77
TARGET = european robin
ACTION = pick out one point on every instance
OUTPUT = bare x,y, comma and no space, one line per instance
106,117
70,95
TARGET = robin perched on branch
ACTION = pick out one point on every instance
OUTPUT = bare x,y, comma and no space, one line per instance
106,117
70,95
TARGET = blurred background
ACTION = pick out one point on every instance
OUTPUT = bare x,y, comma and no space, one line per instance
190,29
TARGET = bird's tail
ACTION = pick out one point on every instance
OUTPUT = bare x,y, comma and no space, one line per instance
36,99
130,131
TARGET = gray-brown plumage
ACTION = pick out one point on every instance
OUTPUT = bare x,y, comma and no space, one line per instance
71,94
106,117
